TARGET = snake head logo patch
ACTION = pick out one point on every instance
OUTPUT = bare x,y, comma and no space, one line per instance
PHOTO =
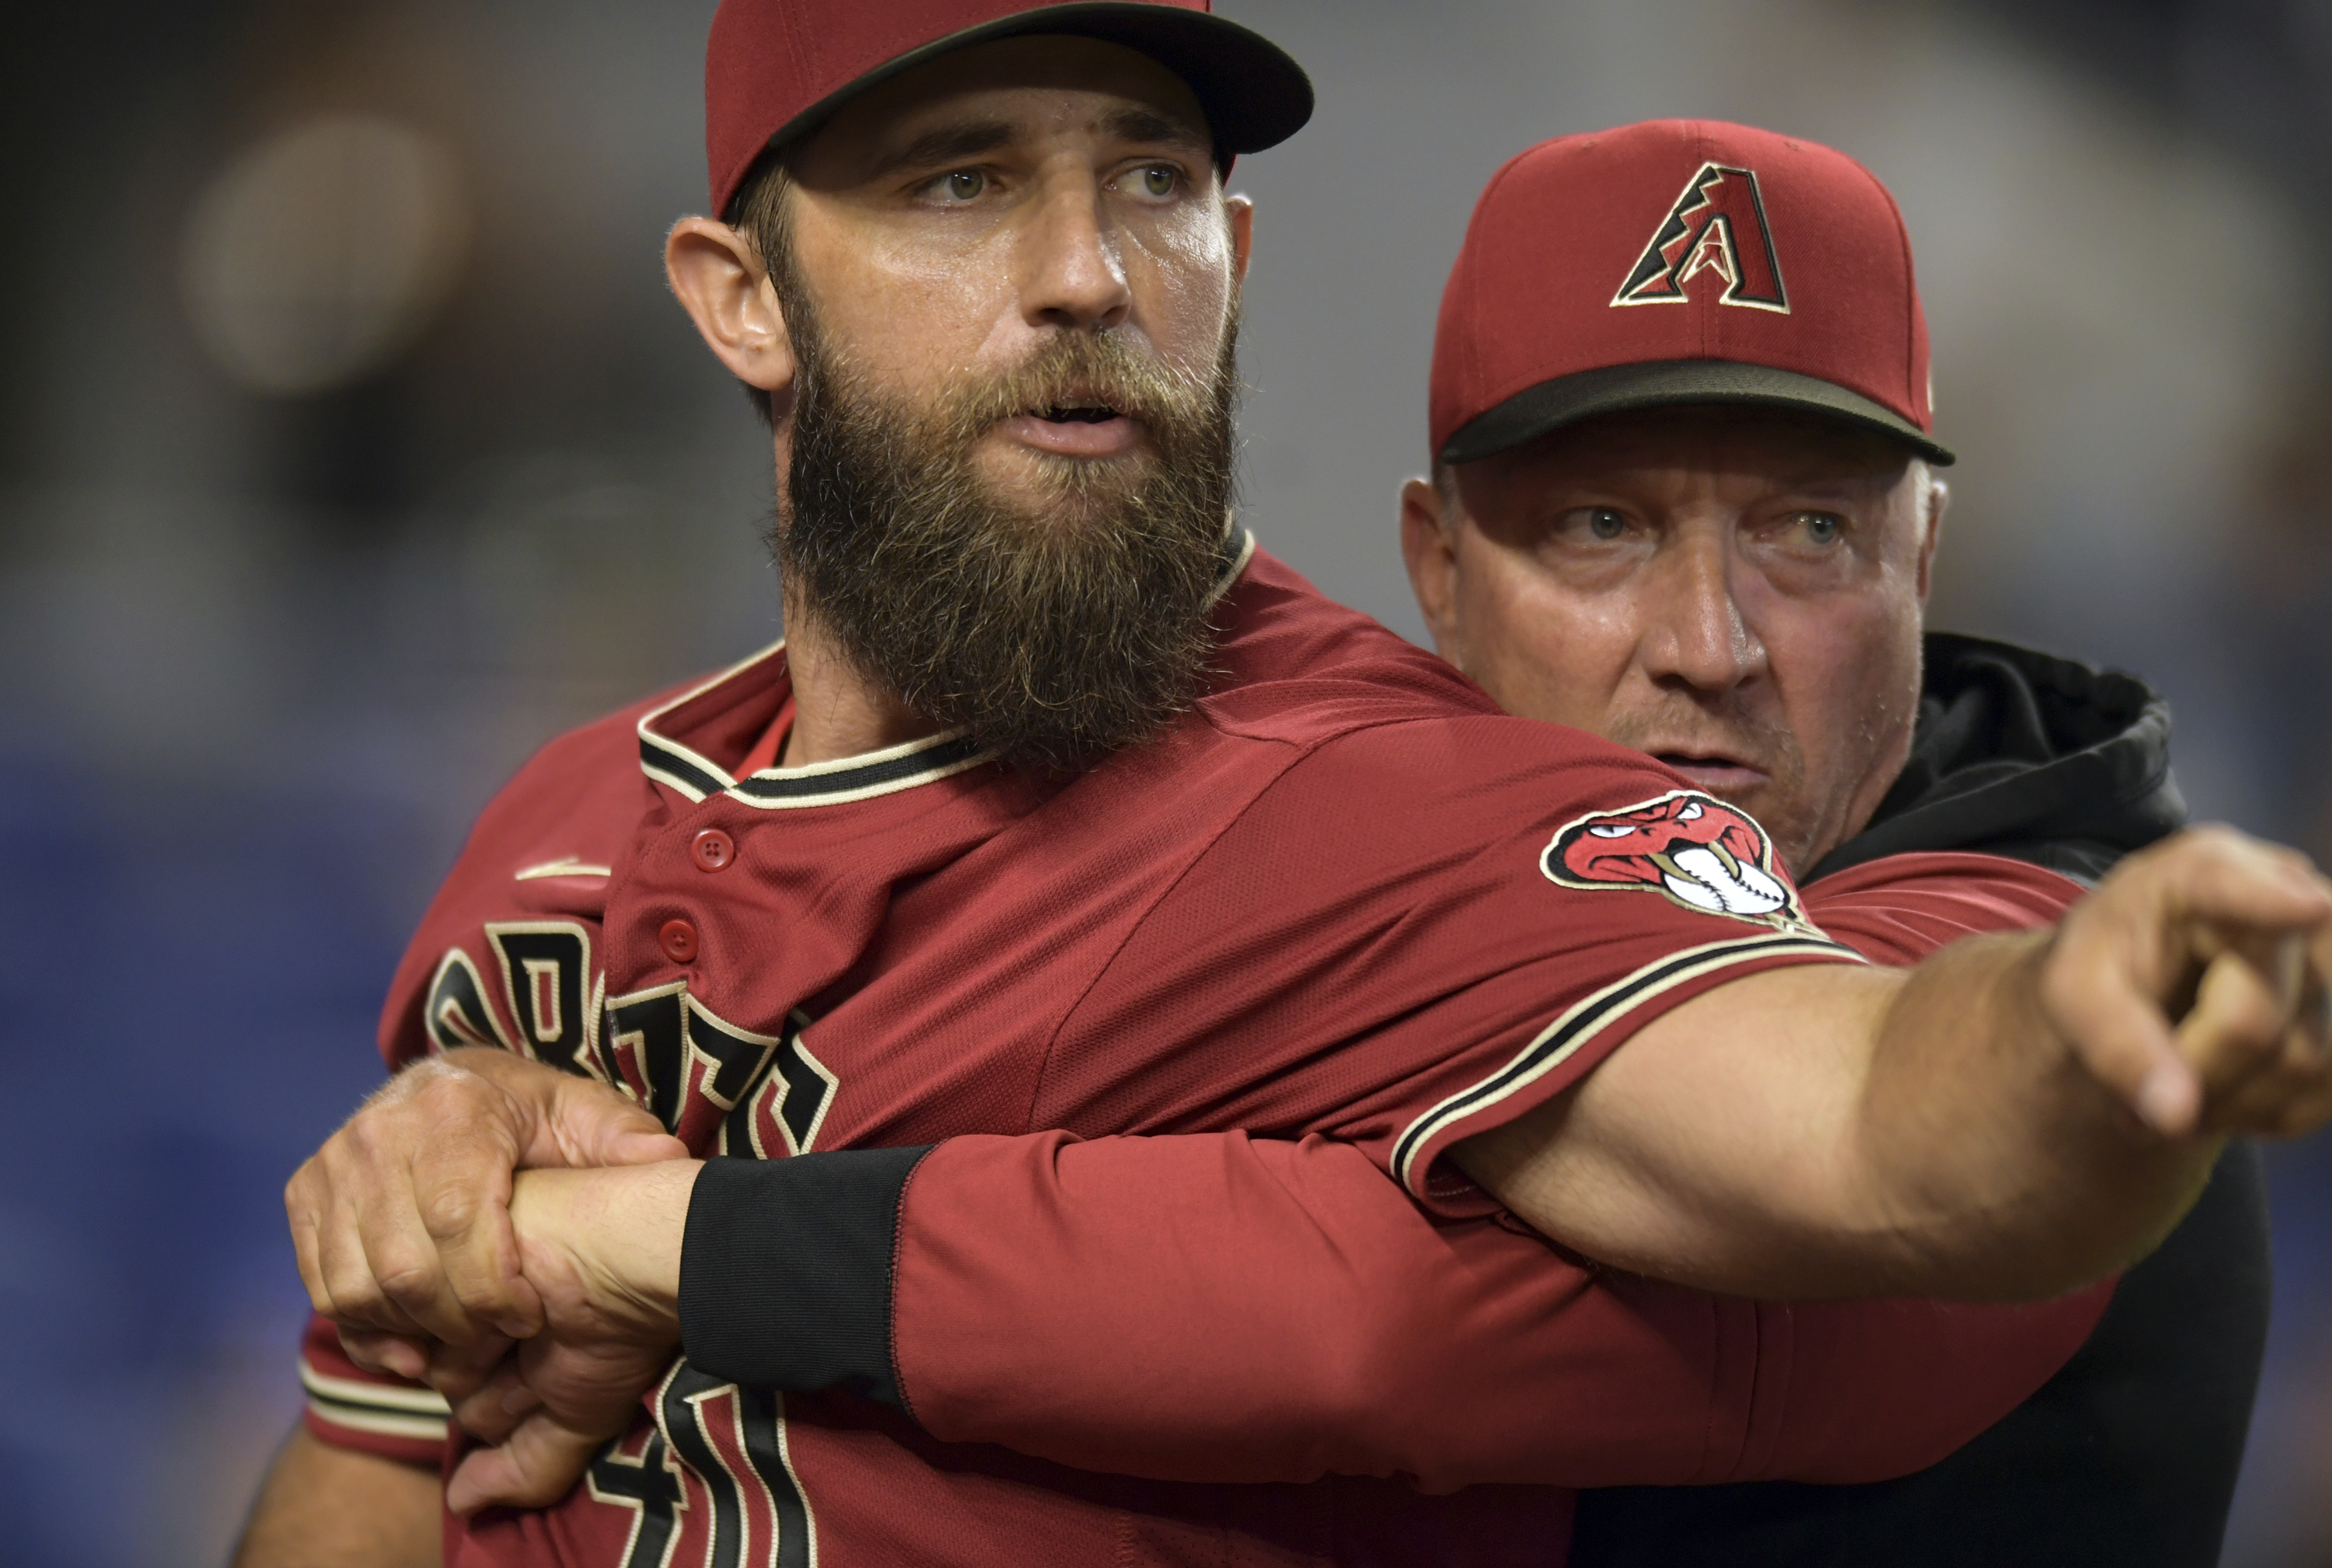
1691,849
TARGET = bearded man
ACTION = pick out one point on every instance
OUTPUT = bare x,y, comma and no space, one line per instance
1302,885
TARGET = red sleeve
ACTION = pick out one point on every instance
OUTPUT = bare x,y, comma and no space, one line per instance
1212,1308
1342,962
1046,1290
372,1412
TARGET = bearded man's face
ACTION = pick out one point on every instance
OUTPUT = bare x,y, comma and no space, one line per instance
1008,283
1058,625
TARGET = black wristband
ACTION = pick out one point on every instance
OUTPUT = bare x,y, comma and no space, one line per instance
786,1270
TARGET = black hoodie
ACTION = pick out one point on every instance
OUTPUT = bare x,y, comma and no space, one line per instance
2128,1456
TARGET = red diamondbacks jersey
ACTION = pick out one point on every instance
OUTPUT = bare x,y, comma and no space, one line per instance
1210,1307
1346,895
1216,1308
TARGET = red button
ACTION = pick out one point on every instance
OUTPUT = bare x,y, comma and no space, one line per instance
713,849
678,939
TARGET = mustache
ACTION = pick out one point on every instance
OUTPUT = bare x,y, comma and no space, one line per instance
1071,372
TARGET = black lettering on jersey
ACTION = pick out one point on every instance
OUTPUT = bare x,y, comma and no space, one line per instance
651,1038
457,1013
546,976
796,1095
714,1425
645,1484
645,1036
733,1058
733,1441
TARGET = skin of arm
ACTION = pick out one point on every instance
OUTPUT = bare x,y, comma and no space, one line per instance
323,1507
1963,1130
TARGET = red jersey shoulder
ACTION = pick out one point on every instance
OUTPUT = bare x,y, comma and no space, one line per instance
533,875
1295,666
1899,908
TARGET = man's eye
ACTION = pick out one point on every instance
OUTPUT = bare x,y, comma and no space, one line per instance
963,185
1605,524
1821,528
1160,180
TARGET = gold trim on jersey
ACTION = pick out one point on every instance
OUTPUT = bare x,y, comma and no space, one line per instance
380,1410
1588,1020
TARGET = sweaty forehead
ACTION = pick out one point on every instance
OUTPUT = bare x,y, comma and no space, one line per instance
1014,92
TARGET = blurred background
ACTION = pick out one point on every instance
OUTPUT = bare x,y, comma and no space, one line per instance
350,447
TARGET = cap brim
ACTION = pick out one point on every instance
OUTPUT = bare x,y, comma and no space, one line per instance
1254,94
1666,383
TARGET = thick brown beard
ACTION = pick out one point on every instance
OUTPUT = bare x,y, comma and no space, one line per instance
1056,637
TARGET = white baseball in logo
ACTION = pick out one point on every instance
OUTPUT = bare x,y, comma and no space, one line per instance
1721,885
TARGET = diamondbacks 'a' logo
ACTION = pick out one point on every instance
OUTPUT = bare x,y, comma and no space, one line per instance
1717,225
1691,849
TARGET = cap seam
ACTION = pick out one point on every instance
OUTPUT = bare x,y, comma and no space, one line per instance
1911,398
1469,259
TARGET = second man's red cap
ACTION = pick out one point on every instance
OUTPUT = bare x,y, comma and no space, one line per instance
1679,261
776,69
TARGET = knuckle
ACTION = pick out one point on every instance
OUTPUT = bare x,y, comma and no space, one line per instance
480,1296
450,1210
2218,837
357,1301
408,1279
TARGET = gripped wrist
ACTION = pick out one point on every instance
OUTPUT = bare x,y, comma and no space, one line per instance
612,1234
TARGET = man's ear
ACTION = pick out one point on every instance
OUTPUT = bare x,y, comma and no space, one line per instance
1939,501
1241,212
721,283
1428,547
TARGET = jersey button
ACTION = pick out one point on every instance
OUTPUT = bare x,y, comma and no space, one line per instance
712,849
678,939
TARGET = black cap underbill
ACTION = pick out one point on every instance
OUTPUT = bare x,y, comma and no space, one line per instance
1666,383
1254,94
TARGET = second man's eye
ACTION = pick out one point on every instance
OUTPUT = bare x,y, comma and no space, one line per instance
1604,523
1159,180
1821,528
965,184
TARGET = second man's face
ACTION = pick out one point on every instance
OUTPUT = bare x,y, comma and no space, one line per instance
1738,593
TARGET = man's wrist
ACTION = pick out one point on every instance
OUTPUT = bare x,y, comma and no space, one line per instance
618,1229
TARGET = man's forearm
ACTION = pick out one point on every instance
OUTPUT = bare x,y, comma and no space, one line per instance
1996,1160
326,1508
2018,1115
1835,1134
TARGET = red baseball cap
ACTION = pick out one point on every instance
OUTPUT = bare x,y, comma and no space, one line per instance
1679,261
775,69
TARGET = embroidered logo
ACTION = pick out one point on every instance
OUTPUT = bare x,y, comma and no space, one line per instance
1693,850
1717,225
